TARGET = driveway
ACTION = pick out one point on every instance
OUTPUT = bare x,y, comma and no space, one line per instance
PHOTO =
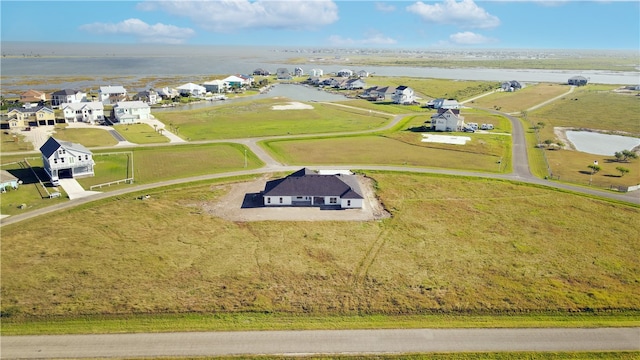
74,190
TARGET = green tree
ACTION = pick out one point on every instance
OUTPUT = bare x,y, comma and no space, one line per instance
622,170
594,168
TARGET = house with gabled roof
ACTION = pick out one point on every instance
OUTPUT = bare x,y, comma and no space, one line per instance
8,181
191,89
131,112
306,187
67,96
447,120
149,96
283,74
29,116
89,112
33,96
403,95
510,86
261,72
63,159
353,84
112,94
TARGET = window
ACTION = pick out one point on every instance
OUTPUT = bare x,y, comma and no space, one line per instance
268,200
55,161
79,158
280,200
348,202
61,159
333,200
86,157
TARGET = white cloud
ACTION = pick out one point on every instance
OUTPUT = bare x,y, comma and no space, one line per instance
371,39
384,7
157,33
469,38
230,15
464,14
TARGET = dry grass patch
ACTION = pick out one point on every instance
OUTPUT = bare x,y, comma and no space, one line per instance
453,245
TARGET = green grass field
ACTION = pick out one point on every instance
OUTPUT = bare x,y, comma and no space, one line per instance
11,143
437,88
256,119
84,136
453,246
141,134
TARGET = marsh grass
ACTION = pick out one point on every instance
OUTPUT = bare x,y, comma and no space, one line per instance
256,118
437,88
453,246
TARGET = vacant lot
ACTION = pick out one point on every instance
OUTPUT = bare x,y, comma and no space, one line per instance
521,100
481,154
86,137
453,245
258,118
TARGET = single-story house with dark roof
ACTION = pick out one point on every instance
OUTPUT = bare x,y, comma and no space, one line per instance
63,159
306,187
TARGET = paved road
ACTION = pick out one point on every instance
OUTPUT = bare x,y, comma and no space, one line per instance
318,342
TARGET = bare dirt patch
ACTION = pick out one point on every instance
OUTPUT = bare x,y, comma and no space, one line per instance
292,106
243,202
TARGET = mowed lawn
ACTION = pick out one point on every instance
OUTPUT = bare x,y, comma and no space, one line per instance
257,118
86,137
141,134
521,100
453,245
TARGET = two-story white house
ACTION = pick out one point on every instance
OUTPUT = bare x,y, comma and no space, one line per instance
67,96
112,94
89,112
215,86
131,112
63,159
403,95
447,120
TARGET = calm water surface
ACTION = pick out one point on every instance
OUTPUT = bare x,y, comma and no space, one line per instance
601,144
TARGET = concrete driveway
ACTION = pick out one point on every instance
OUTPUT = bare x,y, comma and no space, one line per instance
74,190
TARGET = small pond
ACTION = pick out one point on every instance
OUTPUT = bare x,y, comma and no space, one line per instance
601,144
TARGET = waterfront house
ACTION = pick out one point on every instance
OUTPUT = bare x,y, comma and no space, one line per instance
317,72
298,71
33,96
353,84
236,82
344,73
112,94
305,187
191,89
363,73
67,96
510,86
89,112
215,86
131,112
283,74
150,96
63,159
261,72
578,81
168,93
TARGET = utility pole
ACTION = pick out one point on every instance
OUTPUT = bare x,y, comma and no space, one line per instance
245,158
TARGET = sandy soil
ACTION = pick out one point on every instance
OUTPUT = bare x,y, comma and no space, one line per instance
292,106
243,202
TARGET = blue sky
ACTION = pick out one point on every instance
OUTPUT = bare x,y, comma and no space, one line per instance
541,24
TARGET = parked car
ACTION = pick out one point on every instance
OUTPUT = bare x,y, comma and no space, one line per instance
486,127
468,129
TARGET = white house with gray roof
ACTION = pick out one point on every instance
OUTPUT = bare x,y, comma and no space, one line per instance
112,94
306,187
89,112
63,159
67,96
131,112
